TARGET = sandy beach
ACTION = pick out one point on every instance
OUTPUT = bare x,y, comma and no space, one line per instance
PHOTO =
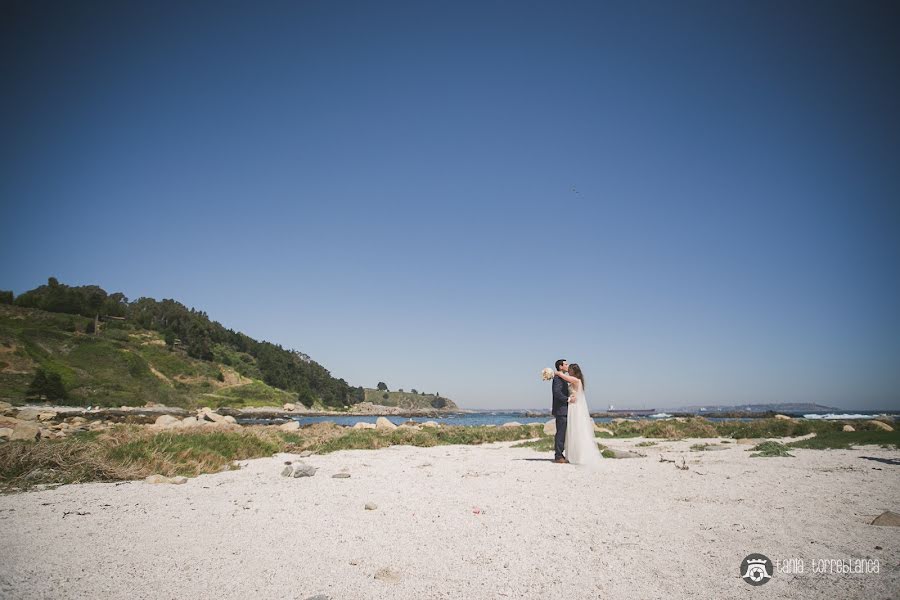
486,521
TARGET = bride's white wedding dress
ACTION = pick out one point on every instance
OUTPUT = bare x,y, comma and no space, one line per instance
581,445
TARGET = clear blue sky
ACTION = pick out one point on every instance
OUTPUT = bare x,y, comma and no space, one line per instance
696,201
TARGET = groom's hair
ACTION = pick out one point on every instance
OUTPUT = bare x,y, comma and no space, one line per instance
559,362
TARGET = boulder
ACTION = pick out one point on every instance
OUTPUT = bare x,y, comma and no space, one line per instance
10,422
383,423
28,414
887,519
287,471
363,425
512,424
5,406
166,421
47,416
550,427
25,431
230,419
210,415
5,433
188,422
301,469
371,506
847,428
431,424
290,406
289,426
783,417
77,420
879,424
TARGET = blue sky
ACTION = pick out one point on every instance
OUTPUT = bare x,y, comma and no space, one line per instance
696,201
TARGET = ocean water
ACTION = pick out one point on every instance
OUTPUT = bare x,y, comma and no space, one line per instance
501,417
465,419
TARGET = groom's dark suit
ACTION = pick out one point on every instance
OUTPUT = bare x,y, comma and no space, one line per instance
561,412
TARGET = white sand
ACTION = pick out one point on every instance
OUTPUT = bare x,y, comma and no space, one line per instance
639,528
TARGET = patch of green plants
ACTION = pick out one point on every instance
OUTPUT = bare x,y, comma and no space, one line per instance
770,449
842,440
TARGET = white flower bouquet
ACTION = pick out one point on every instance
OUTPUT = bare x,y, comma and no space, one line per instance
547,374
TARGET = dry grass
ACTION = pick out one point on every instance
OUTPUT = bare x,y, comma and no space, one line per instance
128,452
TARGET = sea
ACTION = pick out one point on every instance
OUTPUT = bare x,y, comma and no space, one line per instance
500,417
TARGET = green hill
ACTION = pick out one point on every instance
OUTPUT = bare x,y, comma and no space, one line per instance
103,350
409,400
120,365
81,346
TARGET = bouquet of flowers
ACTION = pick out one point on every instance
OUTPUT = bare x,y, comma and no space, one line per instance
547,374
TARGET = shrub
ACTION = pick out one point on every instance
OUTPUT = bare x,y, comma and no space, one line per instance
47,385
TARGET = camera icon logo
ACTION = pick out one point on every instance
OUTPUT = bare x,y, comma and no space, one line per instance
756,569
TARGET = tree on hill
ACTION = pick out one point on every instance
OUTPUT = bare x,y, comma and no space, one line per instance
414,391
47,385
6,297
306,398
382,386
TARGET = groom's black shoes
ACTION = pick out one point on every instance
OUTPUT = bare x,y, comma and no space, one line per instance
561,461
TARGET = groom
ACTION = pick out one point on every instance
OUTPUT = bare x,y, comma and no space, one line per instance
560,411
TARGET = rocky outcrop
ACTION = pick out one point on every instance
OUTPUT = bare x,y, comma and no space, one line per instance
384,424
25,430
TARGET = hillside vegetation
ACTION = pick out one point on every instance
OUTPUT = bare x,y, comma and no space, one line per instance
80,345
119,365
104,350
409,400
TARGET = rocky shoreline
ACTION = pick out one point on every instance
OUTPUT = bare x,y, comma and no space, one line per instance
47,422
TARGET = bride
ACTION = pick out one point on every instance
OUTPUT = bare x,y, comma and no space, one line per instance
581,445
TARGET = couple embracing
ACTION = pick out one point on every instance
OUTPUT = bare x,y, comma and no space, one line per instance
575,442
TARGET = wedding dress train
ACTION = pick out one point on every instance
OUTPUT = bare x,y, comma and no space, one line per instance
581,444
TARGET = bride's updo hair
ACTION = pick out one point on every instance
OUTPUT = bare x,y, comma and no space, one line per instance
575,371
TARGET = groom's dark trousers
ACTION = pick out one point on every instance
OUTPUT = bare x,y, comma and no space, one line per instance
561,412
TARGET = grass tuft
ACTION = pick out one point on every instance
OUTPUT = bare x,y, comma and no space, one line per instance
770,449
